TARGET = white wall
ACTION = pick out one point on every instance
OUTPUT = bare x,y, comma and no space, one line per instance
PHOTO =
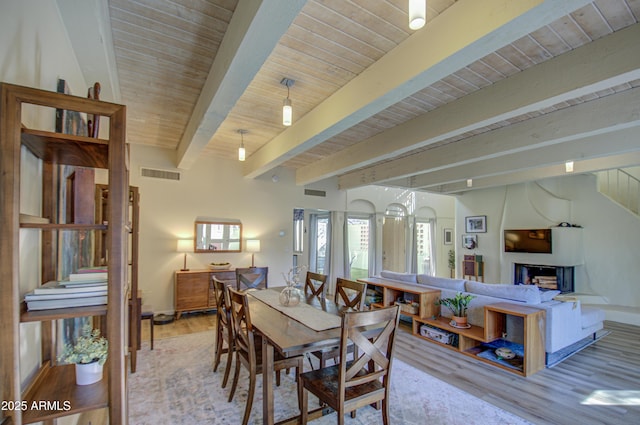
35,52
610,233
215,187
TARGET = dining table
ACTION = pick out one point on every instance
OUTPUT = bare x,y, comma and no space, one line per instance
313,324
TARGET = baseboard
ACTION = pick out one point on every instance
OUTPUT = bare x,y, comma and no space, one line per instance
559,356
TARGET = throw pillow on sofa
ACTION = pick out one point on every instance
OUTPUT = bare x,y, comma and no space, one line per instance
404,277
442,282
527,294
548,295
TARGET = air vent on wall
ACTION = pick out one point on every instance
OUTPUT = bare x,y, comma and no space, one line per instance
312,192
160,174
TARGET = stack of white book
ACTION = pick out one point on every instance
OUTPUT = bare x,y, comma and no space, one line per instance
87,287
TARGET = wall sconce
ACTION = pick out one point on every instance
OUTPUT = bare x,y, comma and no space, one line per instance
568,167
185,245
241,151
417,14
287,110
469,182
252,246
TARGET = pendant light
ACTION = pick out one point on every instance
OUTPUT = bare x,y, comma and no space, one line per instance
417,14
241,151
287,110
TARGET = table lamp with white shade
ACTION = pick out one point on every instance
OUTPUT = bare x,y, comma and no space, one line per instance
185,245
252,246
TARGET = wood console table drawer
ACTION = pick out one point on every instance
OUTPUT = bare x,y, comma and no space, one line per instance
194,289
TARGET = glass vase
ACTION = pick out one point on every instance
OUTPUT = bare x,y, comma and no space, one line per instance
290,295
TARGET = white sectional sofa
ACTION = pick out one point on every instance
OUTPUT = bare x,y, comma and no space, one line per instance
569,325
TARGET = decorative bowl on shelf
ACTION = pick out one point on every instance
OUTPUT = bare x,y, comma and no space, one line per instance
219,266
505,353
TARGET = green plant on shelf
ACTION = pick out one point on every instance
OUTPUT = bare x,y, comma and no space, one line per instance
90,347
458,304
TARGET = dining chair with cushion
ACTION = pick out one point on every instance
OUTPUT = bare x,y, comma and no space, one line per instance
314,284
347,386
350,295
248,348
224,329
251,278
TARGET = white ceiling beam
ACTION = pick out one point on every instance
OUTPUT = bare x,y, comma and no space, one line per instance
466,32
556,170
254,31
609,113
611,61
601,145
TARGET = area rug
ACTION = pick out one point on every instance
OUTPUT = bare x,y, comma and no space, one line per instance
175,384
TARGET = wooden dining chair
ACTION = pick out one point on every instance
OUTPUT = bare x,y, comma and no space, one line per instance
314,284
251,278
349,294
224,329
248,350
348,386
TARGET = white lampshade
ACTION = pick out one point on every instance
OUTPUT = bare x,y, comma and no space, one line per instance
252,245
287,112
241,153
185,245
417,13
568,166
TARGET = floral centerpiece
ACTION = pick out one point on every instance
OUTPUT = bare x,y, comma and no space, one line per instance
291,294
89,354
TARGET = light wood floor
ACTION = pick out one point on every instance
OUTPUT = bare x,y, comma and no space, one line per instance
552,396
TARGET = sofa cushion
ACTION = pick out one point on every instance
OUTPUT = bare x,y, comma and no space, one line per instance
404,277
441,282
527,294
548,295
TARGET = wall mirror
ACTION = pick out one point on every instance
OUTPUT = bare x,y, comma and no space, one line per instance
217,236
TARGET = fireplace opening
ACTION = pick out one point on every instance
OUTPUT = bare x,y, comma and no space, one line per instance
545,277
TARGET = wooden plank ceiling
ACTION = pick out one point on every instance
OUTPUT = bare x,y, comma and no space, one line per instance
376,103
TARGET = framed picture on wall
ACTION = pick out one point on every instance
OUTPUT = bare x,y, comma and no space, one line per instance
448,236
476,224
470,241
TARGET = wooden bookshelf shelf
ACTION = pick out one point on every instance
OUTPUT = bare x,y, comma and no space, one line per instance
57,226
61,313
58,388
67,149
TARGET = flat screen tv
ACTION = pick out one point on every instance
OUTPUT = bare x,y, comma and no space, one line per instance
537,241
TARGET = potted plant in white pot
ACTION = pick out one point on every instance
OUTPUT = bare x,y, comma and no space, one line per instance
458,306
89,354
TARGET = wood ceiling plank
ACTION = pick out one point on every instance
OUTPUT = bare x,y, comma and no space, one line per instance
619,12
522,176
154,53
614,62
378,88
380,18
582,148
592,22
253,33
557,127
572,34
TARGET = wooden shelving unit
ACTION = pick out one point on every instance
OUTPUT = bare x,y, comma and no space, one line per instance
52,382
393,291
477,340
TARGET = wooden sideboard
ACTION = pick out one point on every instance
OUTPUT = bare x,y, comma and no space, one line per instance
194,289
